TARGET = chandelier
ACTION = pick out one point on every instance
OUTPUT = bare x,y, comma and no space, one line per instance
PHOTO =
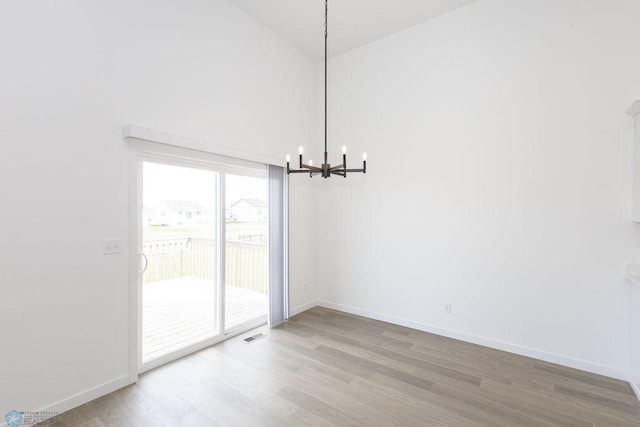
325,169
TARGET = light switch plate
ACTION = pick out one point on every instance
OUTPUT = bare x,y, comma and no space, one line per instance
111,246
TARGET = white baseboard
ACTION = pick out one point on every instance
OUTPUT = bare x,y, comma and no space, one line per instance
636,388
85,396
486,342
301,308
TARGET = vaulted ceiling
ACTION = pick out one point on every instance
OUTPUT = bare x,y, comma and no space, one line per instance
352,23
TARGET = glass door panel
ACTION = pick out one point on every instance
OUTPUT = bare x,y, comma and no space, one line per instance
179,290
247,251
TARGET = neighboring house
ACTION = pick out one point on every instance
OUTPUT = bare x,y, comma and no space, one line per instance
179,213
248,210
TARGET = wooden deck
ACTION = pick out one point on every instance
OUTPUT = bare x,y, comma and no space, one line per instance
182,311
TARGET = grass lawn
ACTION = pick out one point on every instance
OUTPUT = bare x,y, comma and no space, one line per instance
234,230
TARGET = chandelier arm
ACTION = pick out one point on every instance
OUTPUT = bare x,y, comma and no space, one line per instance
309,168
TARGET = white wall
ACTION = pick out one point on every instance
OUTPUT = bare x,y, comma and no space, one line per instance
303,237
635,338
73,73
498,178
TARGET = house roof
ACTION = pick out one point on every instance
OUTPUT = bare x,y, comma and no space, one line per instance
257,203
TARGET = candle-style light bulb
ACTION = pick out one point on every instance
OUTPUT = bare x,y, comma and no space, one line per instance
288,158
364,156
344,149
300,149
310,162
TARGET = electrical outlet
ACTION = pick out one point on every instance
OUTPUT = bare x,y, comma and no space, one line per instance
447,307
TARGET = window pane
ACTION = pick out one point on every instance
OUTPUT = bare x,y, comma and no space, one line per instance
247,251
179,291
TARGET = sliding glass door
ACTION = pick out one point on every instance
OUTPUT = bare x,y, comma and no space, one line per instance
247,251
180,281
205,254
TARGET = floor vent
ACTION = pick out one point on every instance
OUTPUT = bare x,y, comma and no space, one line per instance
255,337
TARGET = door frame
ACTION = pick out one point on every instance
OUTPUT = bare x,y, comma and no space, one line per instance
141,151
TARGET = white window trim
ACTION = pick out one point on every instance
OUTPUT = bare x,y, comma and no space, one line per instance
144,134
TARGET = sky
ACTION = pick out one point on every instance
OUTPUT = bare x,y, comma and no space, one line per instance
167,182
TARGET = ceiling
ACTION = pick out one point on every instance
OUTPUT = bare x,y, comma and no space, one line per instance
352,23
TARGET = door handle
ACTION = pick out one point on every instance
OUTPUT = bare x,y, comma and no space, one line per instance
146,263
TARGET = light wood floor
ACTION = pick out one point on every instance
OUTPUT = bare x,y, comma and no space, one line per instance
329,368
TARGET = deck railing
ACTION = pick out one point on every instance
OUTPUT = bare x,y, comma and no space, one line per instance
247,264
